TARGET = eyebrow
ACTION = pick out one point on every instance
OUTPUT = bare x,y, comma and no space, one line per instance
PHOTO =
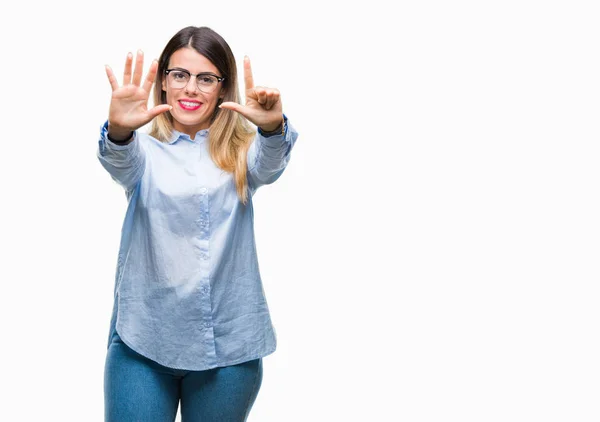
201,73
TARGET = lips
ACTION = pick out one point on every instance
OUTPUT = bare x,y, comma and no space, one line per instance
189,105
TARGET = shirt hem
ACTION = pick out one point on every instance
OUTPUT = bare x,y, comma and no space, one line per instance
202,368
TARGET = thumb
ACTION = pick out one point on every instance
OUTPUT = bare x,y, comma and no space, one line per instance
159,109
230,105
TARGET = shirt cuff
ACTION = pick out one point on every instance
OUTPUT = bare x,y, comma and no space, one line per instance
111,144
279,132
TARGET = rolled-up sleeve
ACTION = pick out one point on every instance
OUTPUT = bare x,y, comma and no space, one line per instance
125,163
269,156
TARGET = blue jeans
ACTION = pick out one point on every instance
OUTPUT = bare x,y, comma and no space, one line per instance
139,389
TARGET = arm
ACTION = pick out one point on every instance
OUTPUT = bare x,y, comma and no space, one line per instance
270,152
269,155
119,149
124,161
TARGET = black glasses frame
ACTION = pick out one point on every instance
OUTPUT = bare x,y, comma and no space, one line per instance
178,69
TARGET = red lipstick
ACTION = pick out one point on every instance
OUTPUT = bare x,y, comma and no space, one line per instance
189,105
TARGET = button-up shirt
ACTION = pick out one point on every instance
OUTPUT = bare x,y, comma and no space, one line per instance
188,293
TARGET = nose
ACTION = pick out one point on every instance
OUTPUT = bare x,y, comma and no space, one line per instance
192,85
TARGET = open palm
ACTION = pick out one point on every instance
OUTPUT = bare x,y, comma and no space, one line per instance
263,105
129,103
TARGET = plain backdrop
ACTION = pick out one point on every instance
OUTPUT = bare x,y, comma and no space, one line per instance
429,255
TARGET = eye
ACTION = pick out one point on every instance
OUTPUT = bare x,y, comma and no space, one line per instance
206,79
179,76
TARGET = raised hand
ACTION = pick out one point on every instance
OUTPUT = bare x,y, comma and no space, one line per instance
263,105
129,103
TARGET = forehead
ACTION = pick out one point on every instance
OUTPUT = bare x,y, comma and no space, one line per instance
190,59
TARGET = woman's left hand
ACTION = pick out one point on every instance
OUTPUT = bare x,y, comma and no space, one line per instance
263,105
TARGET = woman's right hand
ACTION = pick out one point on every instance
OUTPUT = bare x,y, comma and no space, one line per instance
129,103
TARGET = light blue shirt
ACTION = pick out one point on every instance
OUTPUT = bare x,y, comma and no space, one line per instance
188,293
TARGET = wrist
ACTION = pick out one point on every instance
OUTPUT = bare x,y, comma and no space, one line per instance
118,134
119,140
269,130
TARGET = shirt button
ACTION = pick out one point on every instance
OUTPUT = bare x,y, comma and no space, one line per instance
207,324
203,191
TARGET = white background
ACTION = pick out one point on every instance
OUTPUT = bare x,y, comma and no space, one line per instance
430,254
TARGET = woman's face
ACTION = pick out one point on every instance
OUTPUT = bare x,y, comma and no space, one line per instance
192,108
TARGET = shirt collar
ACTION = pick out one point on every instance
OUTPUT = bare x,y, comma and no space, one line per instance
176,135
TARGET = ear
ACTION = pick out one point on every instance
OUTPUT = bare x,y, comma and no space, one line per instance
164,84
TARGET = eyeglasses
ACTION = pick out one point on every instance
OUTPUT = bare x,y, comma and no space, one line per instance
179,78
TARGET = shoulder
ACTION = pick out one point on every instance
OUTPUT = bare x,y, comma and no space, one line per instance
150,142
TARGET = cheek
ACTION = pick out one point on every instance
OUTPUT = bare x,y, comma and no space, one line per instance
169,96
216,96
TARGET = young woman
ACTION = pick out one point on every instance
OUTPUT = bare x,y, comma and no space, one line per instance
190,321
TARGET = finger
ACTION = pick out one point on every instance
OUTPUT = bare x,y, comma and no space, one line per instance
139,67
248,79
159,109
151,76
127,73
272,98
230,105
261,95
111,78
269,100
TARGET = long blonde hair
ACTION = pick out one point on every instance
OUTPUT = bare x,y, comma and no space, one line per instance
230,134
